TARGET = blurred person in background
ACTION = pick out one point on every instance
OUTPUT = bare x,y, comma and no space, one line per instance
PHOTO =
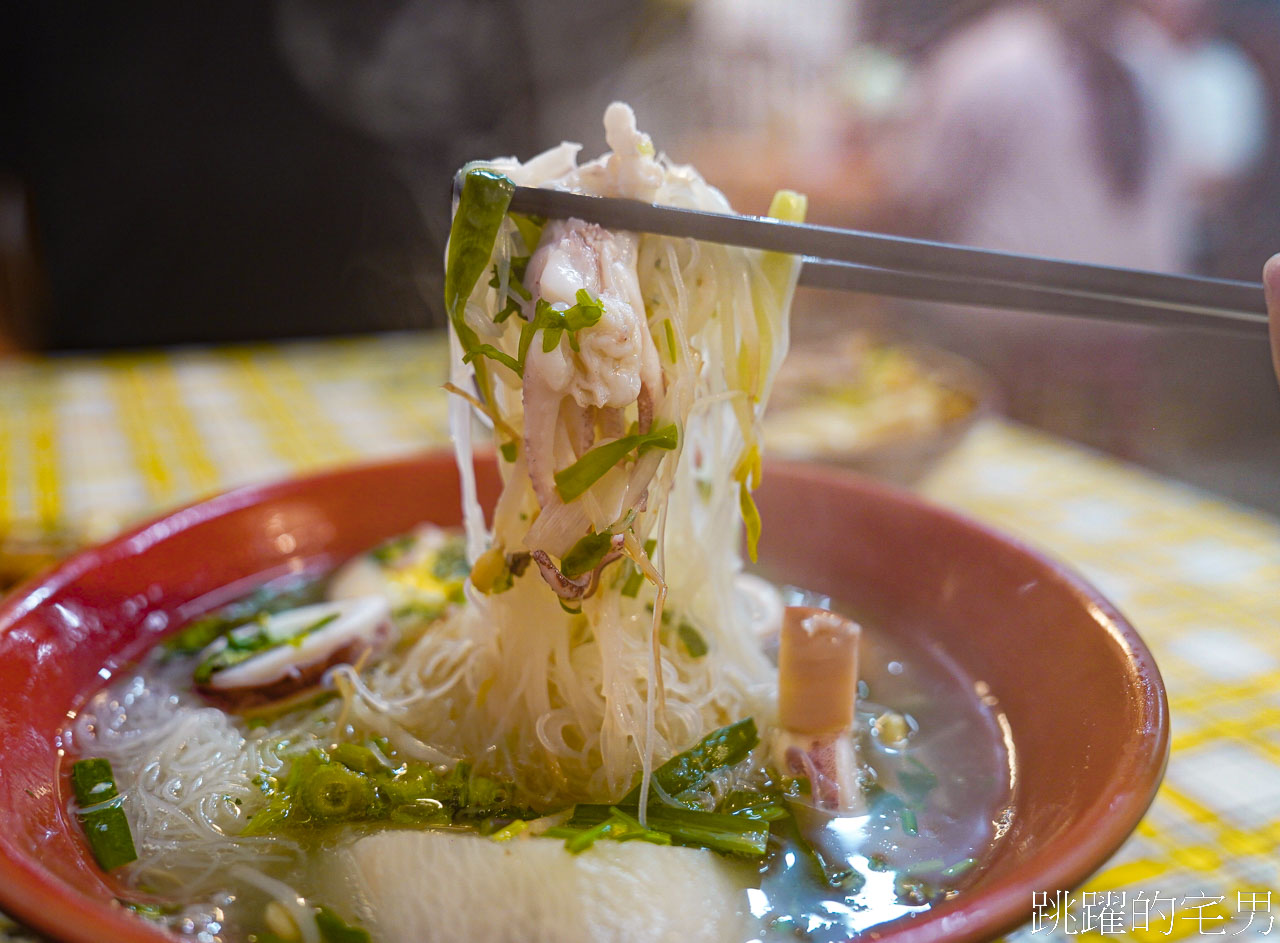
1026,131
1235,234
1049,127
1215,102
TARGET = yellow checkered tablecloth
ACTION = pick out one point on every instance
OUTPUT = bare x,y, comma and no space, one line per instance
89,444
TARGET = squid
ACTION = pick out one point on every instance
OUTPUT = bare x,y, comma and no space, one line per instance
817,694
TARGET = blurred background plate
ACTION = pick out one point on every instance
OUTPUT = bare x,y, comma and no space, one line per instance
877,406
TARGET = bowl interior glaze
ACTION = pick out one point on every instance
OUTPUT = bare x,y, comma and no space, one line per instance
1085,708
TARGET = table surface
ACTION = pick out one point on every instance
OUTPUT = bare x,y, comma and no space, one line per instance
89,444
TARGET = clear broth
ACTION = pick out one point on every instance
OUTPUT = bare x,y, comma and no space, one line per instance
936,806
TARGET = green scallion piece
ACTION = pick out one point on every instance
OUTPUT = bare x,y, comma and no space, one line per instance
482,207
530,229
959,868
335,792
692,640
358,758
92,781
333,929
450,562
488,350
586,554
909,823
573,481
576,844
730,834
727,746
105,826
751,517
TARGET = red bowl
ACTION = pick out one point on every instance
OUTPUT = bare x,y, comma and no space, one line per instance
1085,706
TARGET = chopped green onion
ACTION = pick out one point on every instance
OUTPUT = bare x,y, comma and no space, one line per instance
335,792
553,322
584,839
750,517
530,229
510,450
245,642
351,783
767,806
200,634
149,910
481,210
689,770
109,837
510,831
729,834
692,640
357,758
451,561
586,554
571,482
632,829
959,868
391,551
488,350
909,823
671,340
333,929
93,781
104,822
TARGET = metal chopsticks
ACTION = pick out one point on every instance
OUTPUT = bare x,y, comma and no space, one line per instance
934,271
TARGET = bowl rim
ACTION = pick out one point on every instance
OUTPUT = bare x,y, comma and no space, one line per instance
33,896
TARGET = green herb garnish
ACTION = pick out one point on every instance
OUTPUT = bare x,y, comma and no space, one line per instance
201,633
750,517
450,563
688,771
694,644
571,482
333,929
391,551
488,350
250,640
100,814
729,834
554,323
515,287
482,206
586,554
350,783
530,229
618,826
908,819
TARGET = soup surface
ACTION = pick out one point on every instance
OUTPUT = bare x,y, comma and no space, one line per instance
192,777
